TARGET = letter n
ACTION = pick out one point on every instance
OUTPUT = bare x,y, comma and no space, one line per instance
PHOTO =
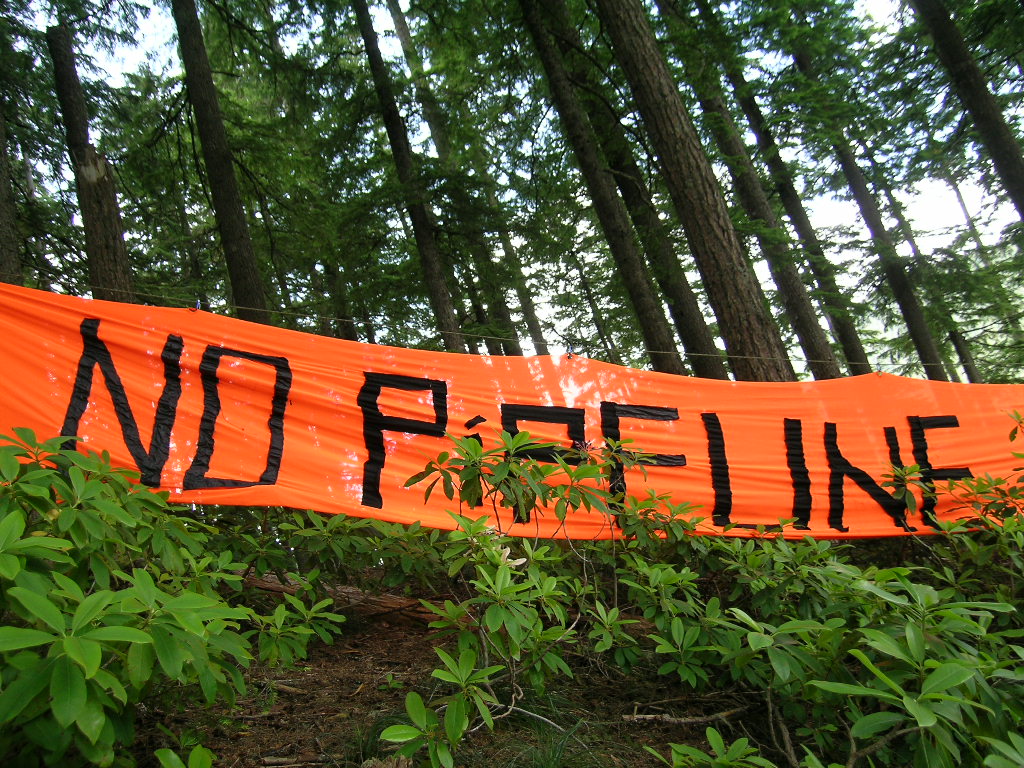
95,353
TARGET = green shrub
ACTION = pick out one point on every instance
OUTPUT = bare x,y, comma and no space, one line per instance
109,597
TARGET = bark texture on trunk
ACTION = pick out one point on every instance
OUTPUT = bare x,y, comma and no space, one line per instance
969,83
754,344
110,272
10,259
415,193
247,289
702,354
837,305
771,237
610,210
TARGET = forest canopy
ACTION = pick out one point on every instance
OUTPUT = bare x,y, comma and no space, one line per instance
720,190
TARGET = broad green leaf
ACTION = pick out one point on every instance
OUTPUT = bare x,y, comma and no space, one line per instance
9,464
455,720
14,638
189,601
144,586
869,586
484,710
852,690
417,711
10,566
91,720
400,733
444,755
42,547
862,657
446,676
118,634
200,757
169,652
447,659
169,758
876,722
715,740
11,528
946,676
915,642
759,640
140,663
91,607
88,654
67,691
19,694
116,511
40,607
110,684
920,711
781,663
886,644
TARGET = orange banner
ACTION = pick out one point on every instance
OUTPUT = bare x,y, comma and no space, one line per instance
219,411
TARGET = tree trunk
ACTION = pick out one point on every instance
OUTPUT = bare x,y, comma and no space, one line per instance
774,243
892,265
110,272
247,289
754,344
702,353
972,227
415,194
944,317
342,324
610,210
487,272
969,83
10,260
771,237
890,261
523,293
838,307
963,352
611,351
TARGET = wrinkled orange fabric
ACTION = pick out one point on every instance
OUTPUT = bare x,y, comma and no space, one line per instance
216,410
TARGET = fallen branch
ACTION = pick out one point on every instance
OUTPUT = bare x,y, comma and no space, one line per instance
366,604
287,688
298,760
670,719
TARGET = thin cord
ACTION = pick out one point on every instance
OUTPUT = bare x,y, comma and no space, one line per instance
186,303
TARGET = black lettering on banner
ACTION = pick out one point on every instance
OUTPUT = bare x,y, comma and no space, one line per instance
929,474
375,423
95,352
793,430
892,441
840,468
720,481
572,418
475,421
195,477
611,413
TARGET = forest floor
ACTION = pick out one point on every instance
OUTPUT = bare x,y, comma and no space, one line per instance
330,709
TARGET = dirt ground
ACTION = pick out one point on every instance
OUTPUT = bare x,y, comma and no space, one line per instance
330,710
